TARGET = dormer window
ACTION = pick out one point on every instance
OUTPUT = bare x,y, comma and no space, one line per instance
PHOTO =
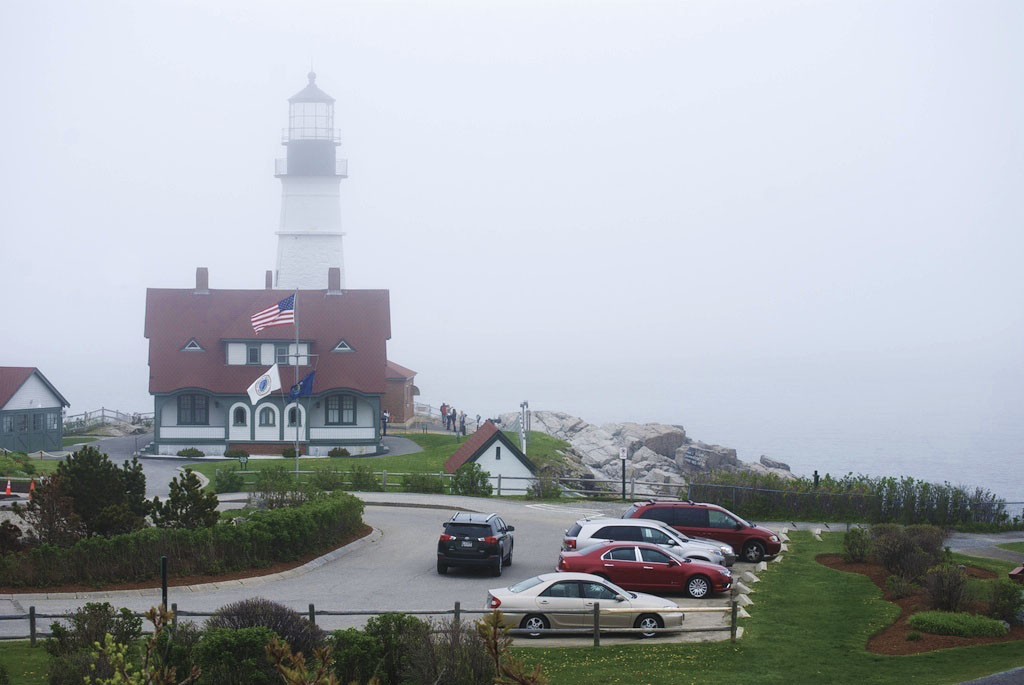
342,346
192,346
252,354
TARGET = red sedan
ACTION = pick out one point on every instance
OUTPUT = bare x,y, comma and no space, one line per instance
643,566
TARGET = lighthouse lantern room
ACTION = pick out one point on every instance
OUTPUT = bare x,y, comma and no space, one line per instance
309,239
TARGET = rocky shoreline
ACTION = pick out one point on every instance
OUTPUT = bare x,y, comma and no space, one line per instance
657,453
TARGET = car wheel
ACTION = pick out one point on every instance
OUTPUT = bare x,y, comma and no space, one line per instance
442,567
496,569
698,587
535,622
753,552
508,559
649,622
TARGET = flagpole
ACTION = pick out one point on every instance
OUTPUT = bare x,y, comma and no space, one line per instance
298,417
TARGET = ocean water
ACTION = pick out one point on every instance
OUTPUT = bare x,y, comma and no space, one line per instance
966,430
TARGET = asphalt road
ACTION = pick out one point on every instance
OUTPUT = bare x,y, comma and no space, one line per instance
394,572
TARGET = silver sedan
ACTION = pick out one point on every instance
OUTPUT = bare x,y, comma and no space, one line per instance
565,601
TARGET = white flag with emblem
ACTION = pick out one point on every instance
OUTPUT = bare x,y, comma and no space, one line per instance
267,383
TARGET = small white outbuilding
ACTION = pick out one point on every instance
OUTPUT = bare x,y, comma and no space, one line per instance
497,455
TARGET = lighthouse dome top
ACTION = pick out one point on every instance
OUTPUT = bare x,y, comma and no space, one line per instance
311,93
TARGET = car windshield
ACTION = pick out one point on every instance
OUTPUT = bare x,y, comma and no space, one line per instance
617,590
745,523
468,530
525,584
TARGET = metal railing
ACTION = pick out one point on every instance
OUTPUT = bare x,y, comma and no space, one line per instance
104,416
457,612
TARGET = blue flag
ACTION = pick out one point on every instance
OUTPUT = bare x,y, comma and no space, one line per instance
303,388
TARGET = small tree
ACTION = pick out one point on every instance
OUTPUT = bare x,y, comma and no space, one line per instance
187,506
470,479
492,630
50,514
109,500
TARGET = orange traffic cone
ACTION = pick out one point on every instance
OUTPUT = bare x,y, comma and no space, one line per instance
8,490
31,488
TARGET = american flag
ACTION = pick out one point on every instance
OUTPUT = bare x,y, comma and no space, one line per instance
281,314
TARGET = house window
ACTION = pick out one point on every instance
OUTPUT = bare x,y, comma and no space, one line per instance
193,410
192,346
291,417
267,417
22,423
252,354
52,421
342,346
497,453
281,352
37,423
8,424
239,416
341,410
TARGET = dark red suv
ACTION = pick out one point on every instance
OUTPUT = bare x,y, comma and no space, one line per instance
751,542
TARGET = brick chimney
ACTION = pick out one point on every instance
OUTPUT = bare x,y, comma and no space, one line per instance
334,281
202,281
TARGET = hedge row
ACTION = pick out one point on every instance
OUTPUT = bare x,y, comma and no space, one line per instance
850,498
279,535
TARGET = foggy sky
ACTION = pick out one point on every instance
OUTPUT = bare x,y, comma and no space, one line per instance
706,213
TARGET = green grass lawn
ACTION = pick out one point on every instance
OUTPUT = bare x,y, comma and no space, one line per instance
24,664
76,439
809,624
1013,546
542,450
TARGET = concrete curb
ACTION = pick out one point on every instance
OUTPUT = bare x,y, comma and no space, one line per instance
311,565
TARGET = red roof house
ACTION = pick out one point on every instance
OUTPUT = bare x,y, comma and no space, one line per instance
498,456
204,355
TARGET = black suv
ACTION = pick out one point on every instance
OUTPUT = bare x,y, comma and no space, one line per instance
475,540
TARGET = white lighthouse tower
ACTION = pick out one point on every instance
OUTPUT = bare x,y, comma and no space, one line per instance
309,238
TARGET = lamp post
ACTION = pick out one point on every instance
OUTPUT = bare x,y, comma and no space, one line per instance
622,458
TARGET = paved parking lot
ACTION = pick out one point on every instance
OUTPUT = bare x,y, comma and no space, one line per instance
393,569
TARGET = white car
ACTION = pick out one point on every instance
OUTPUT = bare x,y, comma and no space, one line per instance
588,532
565,601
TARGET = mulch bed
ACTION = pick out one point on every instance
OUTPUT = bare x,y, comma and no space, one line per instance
893,640
179,581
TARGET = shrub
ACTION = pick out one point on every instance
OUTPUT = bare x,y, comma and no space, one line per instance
276,487
898,588
175,647
896,550
545,486
961,624
288,452
470,479
946,588
914,636
191,452
287,624
422,482
929,539
71,647
1007,600
10,537
364,479
856,545
228,480
236,453
451,653
267,537
356,655
328,479
394,633
339,452
236,656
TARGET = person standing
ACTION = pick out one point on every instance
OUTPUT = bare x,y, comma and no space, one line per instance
462,423
444,414
385,419
451,419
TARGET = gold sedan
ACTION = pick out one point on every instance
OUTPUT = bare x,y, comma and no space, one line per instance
565,601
